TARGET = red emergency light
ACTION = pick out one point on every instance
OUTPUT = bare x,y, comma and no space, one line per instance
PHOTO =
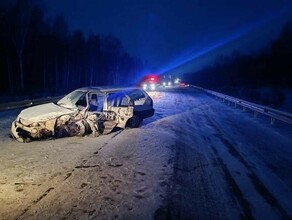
152,78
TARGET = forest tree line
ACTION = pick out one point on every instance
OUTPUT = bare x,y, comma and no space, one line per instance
271,67
41,56
246,76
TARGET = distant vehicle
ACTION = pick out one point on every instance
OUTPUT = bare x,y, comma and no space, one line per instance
183,84
166,83
150,82
88,110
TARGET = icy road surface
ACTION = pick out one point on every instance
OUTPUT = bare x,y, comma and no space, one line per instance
197,158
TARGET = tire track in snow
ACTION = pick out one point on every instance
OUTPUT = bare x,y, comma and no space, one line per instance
190,196
35,202
68,175
235,188
257,183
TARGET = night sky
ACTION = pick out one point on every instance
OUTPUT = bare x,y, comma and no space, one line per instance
167,33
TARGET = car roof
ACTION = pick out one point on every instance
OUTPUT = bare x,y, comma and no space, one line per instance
106,88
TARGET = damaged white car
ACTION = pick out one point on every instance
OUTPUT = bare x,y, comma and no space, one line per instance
89,110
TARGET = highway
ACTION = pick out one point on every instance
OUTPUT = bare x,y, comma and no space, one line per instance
196,158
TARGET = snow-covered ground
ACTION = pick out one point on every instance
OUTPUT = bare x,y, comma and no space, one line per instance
197,158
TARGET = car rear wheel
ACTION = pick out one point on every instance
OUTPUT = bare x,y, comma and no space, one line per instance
134,122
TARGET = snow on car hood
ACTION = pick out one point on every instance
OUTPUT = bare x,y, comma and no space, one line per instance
42,113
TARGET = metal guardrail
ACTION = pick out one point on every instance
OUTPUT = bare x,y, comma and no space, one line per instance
27,103
272,113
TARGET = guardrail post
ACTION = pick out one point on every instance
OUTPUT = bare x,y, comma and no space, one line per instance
273,121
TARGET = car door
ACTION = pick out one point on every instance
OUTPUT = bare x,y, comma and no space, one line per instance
119,104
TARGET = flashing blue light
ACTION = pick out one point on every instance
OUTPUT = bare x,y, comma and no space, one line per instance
244,31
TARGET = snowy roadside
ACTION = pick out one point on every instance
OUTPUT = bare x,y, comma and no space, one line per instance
107,177
126,179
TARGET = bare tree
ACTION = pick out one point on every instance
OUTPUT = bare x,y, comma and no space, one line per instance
20,21
112,50
93,47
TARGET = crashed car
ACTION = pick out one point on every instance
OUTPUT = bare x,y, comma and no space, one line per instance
89,110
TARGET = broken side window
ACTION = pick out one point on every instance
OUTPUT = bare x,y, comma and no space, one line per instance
95,102
114,99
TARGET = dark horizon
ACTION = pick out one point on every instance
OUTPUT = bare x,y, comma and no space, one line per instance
166,34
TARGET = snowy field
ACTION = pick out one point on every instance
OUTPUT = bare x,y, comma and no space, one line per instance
197,158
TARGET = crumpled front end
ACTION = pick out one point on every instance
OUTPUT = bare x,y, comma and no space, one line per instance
24,132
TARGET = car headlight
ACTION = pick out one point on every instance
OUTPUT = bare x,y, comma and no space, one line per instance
152,86
169,83
144,86
164,83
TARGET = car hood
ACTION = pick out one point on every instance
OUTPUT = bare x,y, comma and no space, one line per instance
42,113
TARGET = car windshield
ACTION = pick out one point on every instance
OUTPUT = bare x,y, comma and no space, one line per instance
69,101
